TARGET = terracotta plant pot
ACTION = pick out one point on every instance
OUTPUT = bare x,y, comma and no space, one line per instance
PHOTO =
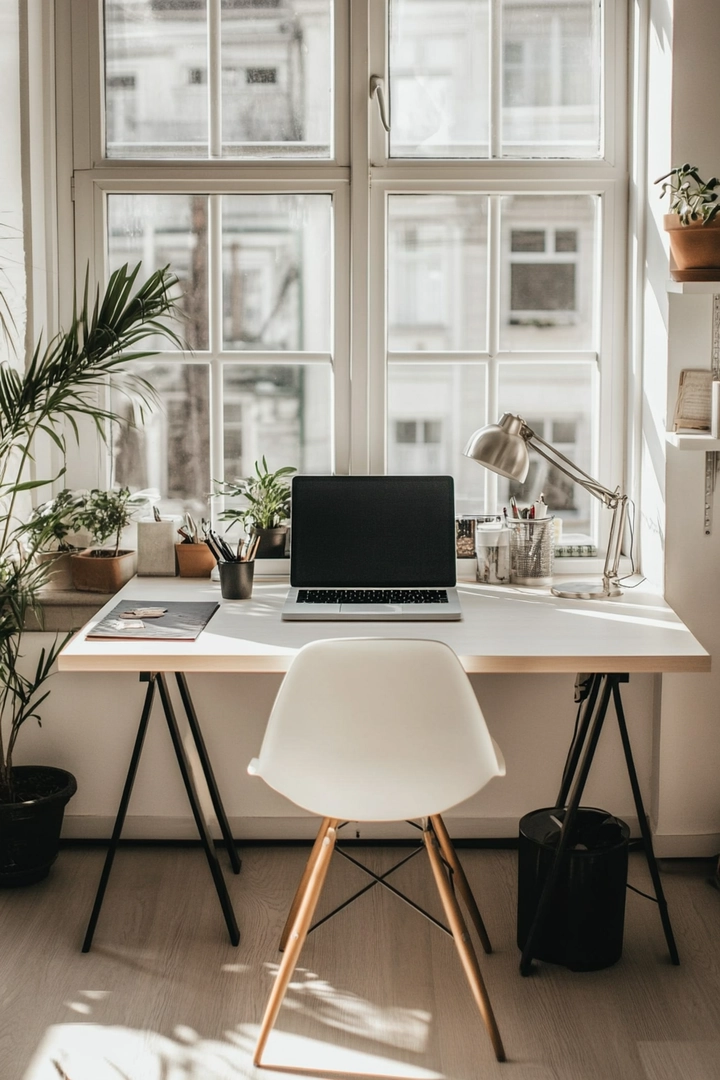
194,560
272,542
695,249
60,576
98,570
30,829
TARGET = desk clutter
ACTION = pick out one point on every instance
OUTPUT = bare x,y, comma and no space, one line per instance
516,549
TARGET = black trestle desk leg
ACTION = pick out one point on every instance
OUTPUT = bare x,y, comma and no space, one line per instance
588,708
122,809
546,896
208,771
645,828
200,822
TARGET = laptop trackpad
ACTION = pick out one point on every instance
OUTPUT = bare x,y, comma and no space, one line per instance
371,609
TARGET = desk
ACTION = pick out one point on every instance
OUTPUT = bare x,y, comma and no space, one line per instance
505,629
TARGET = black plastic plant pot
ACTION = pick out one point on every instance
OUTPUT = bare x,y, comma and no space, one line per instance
30,828
583,929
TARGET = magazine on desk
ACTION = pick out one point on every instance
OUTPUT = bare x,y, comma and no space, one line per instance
155,620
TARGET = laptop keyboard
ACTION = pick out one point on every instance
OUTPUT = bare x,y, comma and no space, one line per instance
372,596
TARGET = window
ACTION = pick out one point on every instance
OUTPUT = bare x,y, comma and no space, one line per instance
369,329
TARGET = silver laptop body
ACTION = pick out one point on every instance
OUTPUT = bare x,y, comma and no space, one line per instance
372,549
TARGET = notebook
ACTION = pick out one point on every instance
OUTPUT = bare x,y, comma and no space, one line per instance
372,548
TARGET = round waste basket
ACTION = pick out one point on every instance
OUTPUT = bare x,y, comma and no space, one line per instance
583,929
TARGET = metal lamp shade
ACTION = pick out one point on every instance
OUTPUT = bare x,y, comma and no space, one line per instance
501,447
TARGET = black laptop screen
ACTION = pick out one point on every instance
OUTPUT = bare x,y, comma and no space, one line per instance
365,531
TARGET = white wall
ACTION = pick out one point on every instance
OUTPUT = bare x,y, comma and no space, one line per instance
678,335
12,264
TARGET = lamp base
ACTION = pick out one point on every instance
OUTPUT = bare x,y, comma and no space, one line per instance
584,590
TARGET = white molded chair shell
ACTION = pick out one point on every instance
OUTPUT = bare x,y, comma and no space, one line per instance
377,729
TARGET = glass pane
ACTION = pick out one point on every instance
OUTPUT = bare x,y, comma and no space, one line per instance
156,87
551,67
437,272
558,401
277,78
547,292
439,78
282,412
170,451
277,265
432,411
160,230
551,60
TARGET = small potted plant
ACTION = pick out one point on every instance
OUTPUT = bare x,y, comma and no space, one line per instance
105,515
50,527
692,225
266,508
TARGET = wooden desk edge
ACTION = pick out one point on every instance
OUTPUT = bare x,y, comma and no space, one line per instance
474,665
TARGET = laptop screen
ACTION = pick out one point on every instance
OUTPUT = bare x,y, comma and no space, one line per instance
372,531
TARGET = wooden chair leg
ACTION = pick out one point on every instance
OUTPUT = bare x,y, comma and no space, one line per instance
296,938
322,832
463,944
461,882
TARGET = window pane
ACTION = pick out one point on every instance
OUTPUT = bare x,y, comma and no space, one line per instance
160,230
277,78
437,272
170,451
280,412
156,93
558,401
439,74
547,293
551,78
440,405
277,261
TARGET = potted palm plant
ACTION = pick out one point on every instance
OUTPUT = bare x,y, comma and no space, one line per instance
60,383
266,507
104,515
692,225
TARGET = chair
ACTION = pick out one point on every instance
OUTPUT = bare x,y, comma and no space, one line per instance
378,729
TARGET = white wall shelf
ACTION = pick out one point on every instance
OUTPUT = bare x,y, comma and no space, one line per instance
701,441
688,288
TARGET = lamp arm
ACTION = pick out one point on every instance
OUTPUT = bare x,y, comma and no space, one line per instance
576,474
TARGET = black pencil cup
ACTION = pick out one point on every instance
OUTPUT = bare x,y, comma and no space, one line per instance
236,580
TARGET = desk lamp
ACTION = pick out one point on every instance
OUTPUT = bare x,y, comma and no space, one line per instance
505,448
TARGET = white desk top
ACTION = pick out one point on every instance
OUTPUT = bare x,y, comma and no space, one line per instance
504,629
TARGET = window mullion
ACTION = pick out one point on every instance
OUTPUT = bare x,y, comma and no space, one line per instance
215,268
364,442
495,69
214,63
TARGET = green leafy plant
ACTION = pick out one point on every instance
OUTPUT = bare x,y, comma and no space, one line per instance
691,198
60,517
106,513
60,383
266,497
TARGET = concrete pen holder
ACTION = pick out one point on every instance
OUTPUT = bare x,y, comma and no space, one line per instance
236,580
156,548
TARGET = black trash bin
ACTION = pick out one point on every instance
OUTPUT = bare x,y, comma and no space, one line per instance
583,929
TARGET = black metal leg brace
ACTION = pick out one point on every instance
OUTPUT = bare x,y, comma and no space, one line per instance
186,773
572,786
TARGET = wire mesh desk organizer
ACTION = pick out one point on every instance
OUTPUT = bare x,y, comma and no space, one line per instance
531,551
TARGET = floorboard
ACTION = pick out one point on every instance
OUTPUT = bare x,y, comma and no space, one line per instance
164,996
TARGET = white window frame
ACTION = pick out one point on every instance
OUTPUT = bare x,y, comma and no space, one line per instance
359,352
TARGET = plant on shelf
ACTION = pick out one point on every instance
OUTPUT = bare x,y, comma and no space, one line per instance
61,382
61,517
266,507
104,515
692,225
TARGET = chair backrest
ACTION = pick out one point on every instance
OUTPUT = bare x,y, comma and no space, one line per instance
377,729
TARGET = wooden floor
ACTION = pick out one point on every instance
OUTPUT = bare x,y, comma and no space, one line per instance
164,996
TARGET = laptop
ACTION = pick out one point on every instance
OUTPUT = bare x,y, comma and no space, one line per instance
372,548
